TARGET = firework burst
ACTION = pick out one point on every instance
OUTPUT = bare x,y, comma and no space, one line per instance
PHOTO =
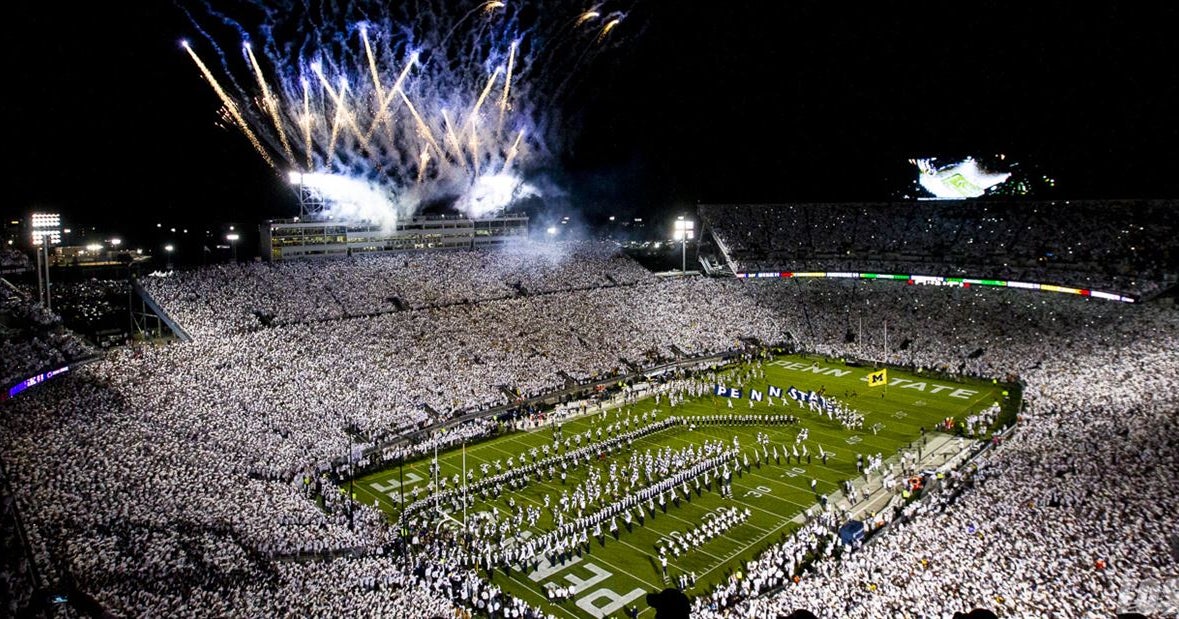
394,96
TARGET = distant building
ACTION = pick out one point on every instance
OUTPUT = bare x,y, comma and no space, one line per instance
287,239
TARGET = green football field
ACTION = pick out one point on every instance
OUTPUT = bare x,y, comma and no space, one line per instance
618,570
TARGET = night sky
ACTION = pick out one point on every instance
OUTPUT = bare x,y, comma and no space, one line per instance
109,121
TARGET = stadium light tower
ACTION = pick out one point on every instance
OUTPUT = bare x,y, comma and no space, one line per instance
46,231
685,230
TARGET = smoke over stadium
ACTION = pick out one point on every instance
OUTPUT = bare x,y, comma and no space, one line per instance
387,107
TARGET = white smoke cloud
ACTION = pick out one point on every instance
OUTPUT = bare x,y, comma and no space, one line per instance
354,199
491,193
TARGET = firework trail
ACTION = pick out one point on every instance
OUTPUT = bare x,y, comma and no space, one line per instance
503,100
271,104
231,108
369,91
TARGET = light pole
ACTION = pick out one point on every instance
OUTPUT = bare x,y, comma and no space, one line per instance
168,249
684,231
45,240
232,237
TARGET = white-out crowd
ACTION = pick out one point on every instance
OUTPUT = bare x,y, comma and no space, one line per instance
1107,245
171,480
236,298
1067,518
33,339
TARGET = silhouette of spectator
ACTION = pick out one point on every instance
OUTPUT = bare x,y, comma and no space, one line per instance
978,613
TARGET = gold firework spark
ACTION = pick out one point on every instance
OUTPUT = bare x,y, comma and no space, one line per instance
383,109
586,16
230,106
342,114
513,151
472,138
271,103
307,121
452,138
607,28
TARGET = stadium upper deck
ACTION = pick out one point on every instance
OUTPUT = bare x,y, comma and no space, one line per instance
235,298
1122,246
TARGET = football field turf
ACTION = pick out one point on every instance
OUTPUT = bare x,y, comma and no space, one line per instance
618,570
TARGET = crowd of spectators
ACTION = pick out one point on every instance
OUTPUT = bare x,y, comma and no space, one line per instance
236,298
17,581
1047,528
89,304
1115,246
180,479
33,339
1044,527
12,259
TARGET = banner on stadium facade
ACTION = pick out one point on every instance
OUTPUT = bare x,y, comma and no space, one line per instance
938,280
33,381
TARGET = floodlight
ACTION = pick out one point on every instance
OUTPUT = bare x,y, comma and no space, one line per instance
46,220
232,236
46,226
683,231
